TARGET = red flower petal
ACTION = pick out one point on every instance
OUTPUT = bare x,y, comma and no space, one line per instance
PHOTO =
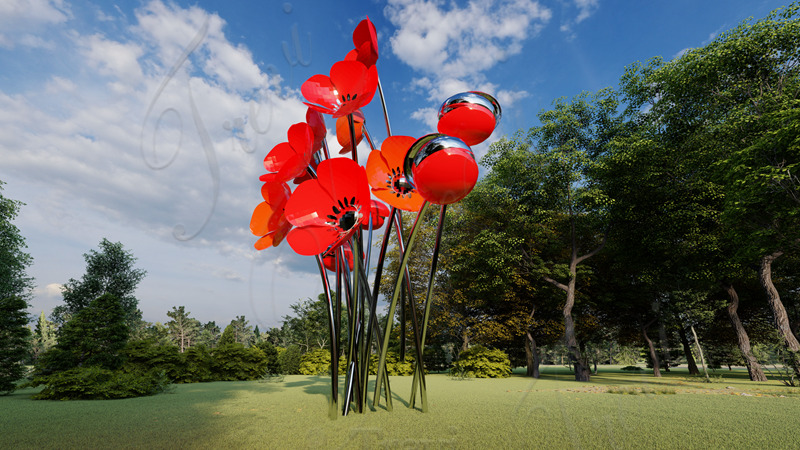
377,168
320,93
344,178
309,205
365,34
311,240
317,123
343,130
260,220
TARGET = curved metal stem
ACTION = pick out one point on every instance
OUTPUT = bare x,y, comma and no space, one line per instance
419,367
393,304
385,112
333,402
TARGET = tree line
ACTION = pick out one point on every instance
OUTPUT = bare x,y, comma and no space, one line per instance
664,213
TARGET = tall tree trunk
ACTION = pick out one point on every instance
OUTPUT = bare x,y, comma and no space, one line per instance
687,351
532,356
753,367
778,310
531,352
582,372
652,348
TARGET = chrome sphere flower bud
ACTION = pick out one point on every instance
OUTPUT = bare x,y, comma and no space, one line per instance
441,168
470,116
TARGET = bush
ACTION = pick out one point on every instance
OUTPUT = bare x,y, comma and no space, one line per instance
271,353
632,368
94,383
394,366
289,360
198,365
481,362
315,362
233,362
146,355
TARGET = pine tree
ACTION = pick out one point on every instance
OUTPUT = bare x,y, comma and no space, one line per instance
108,271
95,336
13,341
44,336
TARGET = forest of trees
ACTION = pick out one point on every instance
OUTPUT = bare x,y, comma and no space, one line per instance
659,220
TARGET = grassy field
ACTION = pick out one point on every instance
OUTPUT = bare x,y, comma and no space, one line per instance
615,410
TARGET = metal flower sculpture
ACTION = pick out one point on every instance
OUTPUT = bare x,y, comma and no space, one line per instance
385,171
350,86
331,215
330,209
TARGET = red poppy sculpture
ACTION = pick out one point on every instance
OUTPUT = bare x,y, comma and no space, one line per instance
329,210
290,159
365,38
350,86
268,219
385,172
331,206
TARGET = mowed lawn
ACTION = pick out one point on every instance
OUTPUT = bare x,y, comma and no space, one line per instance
551,412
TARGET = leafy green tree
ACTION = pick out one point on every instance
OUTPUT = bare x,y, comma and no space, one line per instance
13,260
108,271
228,336
731,107
15,287
183,329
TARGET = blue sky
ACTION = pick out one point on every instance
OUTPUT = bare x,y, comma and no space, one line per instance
146,122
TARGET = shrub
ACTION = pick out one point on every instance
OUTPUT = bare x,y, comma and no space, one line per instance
632,368
315,362
481,362
271,353
289,360
146,355
394,366
93,383
235,362
198,365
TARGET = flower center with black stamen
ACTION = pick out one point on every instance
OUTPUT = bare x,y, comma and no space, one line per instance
399,184
346,214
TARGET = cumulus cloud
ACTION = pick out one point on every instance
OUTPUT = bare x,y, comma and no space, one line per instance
454,47
143,137
20,20
52,290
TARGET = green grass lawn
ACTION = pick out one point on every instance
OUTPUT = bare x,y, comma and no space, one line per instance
553,412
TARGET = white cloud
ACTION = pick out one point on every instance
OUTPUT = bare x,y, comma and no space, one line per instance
20,19
103,167
52,290
116,60
455,47
585,10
